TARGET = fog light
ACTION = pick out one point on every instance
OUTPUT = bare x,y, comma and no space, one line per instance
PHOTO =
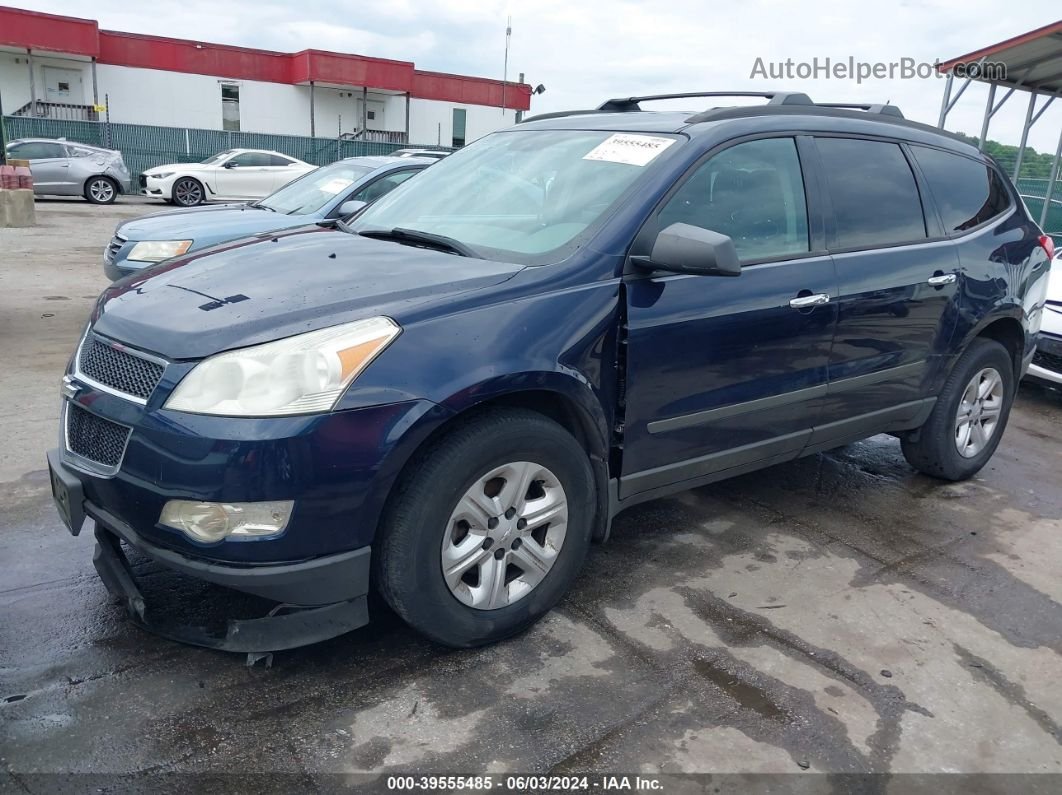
214,521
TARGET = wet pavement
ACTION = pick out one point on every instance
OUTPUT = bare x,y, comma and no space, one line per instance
835,614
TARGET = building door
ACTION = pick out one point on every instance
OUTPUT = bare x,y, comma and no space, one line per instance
459,127
63,86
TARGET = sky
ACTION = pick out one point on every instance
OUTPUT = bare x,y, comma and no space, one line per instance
585,51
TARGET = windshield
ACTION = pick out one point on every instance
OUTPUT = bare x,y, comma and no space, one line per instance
217,158
521,196
310,193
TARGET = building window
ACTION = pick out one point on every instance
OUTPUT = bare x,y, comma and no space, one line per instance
230,107
459,127
371,114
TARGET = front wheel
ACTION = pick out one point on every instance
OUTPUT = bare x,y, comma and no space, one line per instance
969,417
188,192
487,530
101,190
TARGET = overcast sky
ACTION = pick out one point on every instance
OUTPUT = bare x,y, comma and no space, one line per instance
584,51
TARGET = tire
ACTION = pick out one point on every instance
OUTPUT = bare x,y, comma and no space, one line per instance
101,190
934,449
419,527
188,192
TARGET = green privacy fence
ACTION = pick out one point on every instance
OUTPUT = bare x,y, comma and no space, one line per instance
144,146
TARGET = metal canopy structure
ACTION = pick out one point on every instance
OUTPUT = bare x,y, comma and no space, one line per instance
1031,63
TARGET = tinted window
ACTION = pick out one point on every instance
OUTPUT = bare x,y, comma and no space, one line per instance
967,193
36,150
252,159
753,193
873,192
382,186
277,160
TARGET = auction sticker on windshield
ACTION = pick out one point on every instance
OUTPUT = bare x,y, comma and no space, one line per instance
335,185
633,150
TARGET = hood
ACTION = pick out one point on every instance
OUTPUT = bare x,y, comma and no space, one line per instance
269,287
209,225
182,167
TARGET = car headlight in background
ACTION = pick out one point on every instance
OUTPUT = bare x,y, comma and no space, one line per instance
215,521
161,175
304,374
158,250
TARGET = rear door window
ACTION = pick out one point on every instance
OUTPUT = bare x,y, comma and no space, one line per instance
967,192
36,150
753,193
873,192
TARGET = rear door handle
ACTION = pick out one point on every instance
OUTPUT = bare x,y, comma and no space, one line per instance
941,279
805,301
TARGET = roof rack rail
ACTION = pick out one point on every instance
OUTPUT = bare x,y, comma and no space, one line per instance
629,104
884,110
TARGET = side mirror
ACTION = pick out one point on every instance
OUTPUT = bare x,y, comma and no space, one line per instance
230,164
683,248
350,207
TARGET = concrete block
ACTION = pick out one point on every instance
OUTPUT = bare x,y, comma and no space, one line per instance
16,208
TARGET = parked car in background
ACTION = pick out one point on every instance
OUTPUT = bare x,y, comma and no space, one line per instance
449,397
433,153
333,191
229,175
1047,361
68,168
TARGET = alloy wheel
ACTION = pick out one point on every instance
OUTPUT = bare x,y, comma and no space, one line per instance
979,412
187,192
101,191
504,535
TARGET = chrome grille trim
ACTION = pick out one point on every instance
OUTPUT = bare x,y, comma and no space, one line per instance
97,339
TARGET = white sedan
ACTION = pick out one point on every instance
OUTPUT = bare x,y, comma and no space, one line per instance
233,175
1047,362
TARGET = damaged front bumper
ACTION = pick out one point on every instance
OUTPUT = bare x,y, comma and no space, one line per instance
316,599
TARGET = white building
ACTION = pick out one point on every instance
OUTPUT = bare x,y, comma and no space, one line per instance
64,67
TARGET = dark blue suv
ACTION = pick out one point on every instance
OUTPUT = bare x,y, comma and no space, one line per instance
448,399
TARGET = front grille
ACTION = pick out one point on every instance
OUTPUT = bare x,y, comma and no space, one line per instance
114,247
118,369
143,181
94,438
1048,361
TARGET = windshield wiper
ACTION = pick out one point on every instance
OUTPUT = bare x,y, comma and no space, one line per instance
260,206
415,237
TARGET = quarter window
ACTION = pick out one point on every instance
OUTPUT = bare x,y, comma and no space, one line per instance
967,192
753,193
873,191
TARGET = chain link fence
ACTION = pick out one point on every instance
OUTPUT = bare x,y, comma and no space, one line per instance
145,146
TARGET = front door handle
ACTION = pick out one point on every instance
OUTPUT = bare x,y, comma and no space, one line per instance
806,301
940,279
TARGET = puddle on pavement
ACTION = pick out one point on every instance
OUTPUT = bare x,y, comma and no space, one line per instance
747,695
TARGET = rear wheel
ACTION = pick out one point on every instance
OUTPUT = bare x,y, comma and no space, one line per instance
969,417
101,190
487,531
188,192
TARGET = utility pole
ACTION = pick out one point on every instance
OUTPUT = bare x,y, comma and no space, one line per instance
3,135
505,68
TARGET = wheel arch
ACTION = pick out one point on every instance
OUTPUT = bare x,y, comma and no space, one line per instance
561,398
1008,330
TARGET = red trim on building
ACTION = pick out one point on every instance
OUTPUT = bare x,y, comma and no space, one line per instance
31,29
67,35
200,58
1024,38
351,70
470,90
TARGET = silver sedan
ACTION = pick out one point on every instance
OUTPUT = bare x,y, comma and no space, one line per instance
66,168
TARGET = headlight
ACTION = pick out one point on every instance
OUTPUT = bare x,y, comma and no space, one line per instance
158,250
304,374
161,175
